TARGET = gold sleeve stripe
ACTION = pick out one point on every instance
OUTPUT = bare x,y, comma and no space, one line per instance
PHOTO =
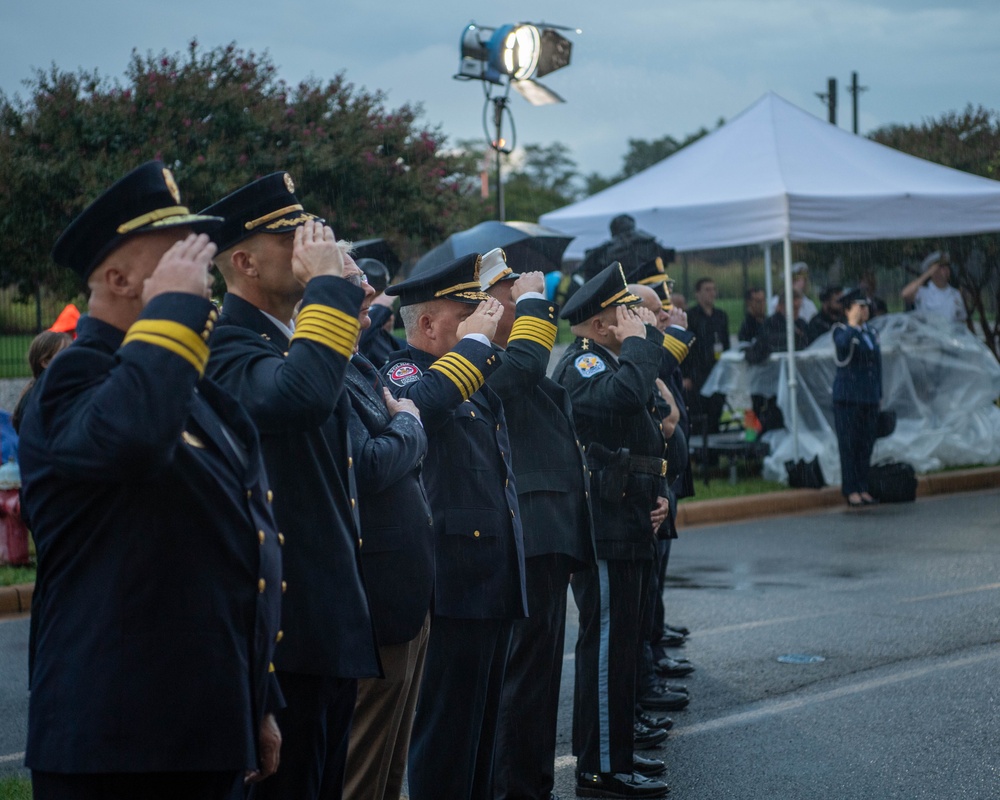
173,336
461,383
327,326
535,330
468,368
458,370
677,348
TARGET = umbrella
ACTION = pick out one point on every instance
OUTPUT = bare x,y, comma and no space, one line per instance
528,246
380,250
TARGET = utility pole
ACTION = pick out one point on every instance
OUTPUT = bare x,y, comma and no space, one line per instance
855,90
830,98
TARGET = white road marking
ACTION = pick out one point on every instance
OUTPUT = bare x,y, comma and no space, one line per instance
781,707
11,757
989,587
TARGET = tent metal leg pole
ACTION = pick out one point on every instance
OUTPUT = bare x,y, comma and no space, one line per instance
793,406
768,279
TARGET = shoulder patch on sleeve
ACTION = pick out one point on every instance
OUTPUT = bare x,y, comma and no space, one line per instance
589,364
403,373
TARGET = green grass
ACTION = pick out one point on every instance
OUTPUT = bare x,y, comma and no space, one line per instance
14,355
10,576
719,486
15,788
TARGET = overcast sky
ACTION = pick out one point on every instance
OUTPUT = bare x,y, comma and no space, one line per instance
640,69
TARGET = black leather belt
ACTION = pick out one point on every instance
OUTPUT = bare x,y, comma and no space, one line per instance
648,465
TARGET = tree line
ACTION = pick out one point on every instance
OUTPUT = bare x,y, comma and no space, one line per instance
220,116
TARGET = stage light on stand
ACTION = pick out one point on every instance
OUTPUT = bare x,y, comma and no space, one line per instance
512,55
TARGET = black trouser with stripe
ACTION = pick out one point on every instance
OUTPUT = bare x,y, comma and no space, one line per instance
610,598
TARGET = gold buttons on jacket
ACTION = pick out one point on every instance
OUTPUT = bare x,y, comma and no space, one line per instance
472,414
353,502
261,585
284,587
350,462
281,539
476,534
249,493
260,536
279,636
270,496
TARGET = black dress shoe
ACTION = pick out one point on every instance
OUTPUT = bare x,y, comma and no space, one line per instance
660,699
668,667
648,767
672,687
672,639
646,738
653,721
619,784
676,629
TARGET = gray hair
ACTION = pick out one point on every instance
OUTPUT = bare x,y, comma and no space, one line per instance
410,314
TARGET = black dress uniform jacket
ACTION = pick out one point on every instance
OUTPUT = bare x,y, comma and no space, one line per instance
159,569
396,523
614,408
549,464
302,413
479,550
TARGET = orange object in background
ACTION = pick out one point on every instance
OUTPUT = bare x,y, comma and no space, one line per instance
66,321
751,425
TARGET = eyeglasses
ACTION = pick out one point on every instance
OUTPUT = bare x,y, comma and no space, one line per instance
359,279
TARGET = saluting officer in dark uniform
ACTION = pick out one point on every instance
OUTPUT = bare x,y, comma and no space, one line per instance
157,600
552,483
610,373
274,254
479,556
389,446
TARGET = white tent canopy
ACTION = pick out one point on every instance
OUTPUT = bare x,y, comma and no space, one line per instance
777,172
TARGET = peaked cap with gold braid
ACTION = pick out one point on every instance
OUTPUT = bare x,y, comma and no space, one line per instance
146,199
268,205
454,280
607,288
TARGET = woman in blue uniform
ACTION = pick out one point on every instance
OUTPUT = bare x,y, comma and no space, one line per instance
857,392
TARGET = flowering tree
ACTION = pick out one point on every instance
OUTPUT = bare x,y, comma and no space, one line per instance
220,118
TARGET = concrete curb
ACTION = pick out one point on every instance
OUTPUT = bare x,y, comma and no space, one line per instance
17,599
794,501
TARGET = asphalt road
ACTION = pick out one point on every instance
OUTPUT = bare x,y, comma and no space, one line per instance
902,603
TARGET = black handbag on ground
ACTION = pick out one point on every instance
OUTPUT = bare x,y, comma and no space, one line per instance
805,474
892,482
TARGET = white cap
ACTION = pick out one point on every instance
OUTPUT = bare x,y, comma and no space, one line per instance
799,266
493,269
934,258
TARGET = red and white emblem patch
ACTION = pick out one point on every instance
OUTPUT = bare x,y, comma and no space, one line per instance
404,373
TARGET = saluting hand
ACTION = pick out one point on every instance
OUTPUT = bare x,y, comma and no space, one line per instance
677,316
528,282
315,252
646,315
628,323
483,320
403,404
183,268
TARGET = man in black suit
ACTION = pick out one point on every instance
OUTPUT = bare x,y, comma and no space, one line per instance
157,600
389,446
479,555
552,486
289,376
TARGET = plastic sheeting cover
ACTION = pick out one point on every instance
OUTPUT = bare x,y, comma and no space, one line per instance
939,378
